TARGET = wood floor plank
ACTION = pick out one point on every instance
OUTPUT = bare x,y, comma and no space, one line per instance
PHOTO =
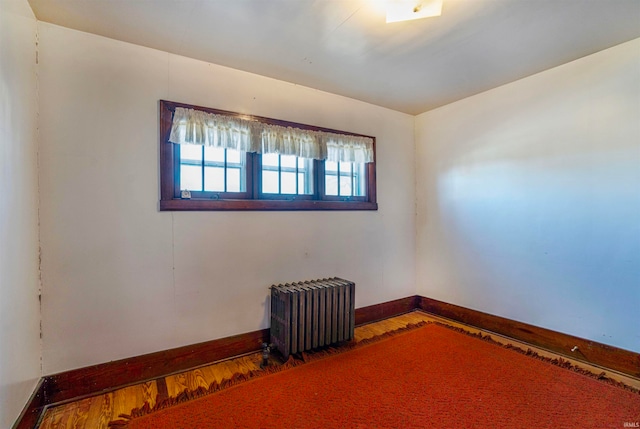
364,332
195,379
50,416
149,392
100,412
246,364
378,329
176,383
393,325
72,416
222,371
210,375
232,367
128,398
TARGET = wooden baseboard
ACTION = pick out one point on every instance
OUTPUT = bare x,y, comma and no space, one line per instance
94,379
111,375
107,376
589,351
385,310
31,412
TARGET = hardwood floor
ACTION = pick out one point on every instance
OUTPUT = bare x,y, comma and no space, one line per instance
95,412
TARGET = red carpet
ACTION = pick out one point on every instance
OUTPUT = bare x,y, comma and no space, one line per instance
430,377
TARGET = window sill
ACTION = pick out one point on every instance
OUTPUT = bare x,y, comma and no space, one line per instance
262,205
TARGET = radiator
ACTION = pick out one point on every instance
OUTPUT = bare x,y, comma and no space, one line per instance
311,314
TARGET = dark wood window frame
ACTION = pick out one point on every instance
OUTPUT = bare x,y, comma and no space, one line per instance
170,196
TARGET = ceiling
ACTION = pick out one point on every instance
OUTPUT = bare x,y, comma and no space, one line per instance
345,47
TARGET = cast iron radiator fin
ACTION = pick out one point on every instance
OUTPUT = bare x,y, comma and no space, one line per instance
311,314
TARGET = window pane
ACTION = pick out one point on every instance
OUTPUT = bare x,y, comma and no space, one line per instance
233,156
270,159
331,184
214,179
345,168
191,152
359,182
330,166
190,177
345,179
233,180
215,154
288,161
305,183
307,186
269,182
305,176
288,182
345,186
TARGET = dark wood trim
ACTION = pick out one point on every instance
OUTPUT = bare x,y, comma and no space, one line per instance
319,179
372,180
385,310
107,376
255,178
589,351
32,410
167,161
263,205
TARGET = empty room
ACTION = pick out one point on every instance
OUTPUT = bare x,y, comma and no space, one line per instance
319,213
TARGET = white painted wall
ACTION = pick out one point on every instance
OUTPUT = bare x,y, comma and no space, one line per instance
528,199
121,278
19,278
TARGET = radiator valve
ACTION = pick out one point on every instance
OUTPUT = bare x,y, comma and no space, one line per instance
266,351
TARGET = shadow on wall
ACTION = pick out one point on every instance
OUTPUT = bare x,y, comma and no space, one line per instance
548,236
266,318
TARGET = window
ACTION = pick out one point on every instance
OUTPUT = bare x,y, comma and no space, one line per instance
345,179
286,175
212,169
228,161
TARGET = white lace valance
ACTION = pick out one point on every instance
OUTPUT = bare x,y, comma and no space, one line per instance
192,126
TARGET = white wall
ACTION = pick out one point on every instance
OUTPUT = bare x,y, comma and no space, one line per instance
528,199
19,277
121,278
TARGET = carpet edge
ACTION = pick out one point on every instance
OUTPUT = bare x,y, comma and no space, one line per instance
237,378
559,361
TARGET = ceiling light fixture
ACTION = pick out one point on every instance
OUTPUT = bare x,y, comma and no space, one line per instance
406,10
